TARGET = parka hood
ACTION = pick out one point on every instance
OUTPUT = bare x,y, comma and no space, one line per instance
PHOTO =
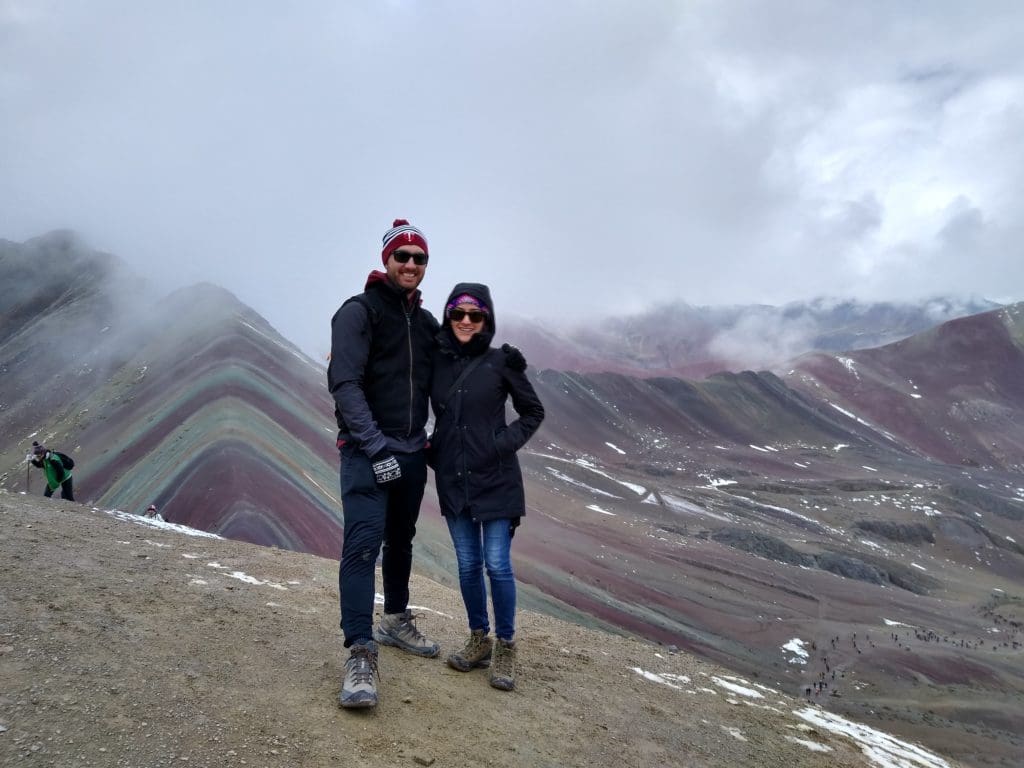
478,291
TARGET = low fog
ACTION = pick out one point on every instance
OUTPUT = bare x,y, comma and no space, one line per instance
584,161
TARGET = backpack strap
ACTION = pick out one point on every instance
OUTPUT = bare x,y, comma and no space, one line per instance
443,406
372,312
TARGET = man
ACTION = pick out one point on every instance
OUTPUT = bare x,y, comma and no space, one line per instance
57,468
379,375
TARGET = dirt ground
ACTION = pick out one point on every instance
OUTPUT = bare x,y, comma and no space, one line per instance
126,645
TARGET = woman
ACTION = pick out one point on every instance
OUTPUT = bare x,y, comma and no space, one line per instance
479,483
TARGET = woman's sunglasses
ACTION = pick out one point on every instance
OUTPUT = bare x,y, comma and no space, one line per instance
474,315
402,257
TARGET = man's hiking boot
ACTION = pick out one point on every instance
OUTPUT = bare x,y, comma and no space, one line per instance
503,670
476,653
399,630
360,688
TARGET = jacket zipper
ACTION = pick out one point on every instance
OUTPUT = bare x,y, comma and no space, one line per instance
408,329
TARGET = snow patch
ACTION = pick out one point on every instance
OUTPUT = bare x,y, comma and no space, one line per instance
811,745
637,489
796,648
573,481
859,420
742,690
879,748
152,522
247,579
662,679
849,365
682,505
844,412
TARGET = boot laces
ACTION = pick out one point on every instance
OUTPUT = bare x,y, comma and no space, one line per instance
363,666
504,661
407,626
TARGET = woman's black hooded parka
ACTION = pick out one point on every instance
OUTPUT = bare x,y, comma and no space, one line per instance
472,449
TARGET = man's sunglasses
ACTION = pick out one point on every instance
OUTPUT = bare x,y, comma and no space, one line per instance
474,315
402,257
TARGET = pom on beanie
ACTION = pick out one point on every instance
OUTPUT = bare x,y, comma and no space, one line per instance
401,233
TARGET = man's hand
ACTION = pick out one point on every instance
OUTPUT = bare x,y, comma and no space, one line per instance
29,457
385,468
514,358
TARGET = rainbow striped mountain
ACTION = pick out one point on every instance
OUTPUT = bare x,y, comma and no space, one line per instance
846,524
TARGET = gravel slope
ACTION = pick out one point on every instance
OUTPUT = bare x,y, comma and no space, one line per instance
126,645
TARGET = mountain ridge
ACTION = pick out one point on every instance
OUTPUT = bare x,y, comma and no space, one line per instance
679,339
730,515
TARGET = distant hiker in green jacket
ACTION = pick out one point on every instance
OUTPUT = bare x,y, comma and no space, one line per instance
57,468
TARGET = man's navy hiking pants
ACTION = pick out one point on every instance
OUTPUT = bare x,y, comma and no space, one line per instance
376,515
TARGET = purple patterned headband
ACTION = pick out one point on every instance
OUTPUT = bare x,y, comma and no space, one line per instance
466,299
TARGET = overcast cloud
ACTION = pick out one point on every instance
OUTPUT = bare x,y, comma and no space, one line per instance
577,156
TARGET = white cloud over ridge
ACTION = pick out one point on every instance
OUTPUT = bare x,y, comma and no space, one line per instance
572,156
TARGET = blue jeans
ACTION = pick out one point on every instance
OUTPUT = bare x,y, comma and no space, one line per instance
485,544
376,515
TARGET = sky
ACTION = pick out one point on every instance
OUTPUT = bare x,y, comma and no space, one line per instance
583,159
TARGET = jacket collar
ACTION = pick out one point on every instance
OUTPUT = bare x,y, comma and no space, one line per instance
379,281
451,347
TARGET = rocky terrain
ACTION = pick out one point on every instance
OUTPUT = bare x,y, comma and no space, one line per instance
124,643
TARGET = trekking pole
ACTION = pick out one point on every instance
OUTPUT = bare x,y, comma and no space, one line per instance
28,477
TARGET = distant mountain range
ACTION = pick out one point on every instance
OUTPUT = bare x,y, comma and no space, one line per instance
852,517
682,340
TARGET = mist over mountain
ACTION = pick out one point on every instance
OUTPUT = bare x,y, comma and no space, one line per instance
190,401
679,339
846,527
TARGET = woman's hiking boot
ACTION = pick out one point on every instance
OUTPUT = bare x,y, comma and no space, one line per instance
503,670
399,630
360,688
475,654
